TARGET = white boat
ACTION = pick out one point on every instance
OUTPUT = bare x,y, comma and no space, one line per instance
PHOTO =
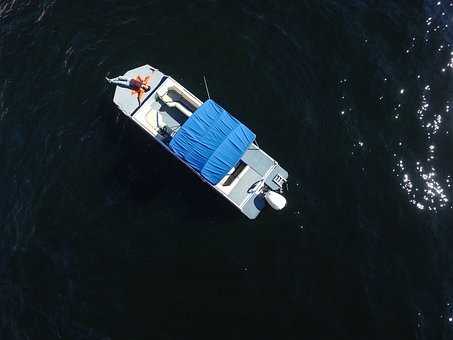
206,138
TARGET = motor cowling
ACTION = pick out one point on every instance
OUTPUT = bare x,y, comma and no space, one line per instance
275,200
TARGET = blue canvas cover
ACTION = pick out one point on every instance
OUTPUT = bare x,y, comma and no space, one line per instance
212,141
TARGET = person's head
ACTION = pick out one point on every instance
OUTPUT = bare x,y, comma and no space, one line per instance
146,87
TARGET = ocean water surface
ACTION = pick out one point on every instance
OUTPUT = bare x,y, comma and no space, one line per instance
105,236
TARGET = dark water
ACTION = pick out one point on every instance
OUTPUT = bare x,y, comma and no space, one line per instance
352,97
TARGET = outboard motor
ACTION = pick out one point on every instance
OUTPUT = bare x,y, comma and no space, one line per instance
275,200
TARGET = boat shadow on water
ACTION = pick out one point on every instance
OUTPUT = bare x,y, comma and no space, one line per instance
147,174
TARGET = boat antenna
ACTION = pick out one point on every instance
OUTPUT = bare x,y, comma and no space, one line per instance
206,86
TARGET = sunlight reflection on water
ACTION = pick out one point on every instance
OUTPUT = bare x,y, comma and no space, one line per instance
425,187
421,173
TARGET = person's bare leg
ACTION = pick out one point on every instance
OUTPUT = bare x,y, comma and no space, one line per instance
120,81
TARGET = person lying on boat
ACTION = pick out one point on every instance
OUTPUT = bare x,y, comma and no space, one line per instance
129,83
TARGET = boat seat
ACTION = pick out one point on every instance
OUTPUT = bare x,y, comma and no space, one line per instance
162,93
154,119
179,107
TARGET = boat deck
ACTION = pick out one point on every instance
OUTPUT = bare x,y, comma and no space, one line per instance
126,100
